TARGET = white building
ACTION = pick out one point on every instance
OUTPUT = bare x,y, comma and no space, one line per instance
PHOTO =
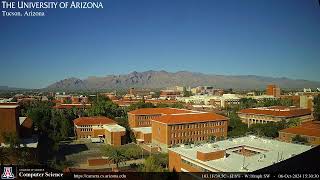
244,154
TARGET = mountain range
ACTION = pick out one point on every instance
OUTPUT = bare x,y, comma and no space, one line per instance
7,88
162,79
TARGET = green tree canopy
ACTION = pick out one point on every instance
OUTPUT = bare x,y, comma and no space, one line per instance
139,105
300,139
236,127
316,107
103,106
117,157
4,155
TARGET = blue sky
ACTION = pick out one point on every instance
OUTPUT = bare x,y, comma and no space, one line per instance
231,37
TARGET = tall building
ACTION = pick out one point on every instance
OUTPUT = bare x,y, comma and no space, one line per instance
10,122
170,126
9,119
273,90
169,130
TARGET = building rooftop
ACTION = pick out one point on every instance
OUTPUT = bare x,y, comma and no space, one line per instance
308,129
279,111
195,116
144,130
114,128
263,153
93,121
150,111
8,105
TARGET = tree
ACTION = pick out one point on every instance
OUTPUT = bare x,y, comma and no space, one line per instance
270,129
67,101
132,151
4,155
186,93
316,107
247,103
107,150
300,139
162,159
293,122
117,157
236,127
177,105
105,107
139,105
151,164
162,105
212,138
40,113
11,139
25,157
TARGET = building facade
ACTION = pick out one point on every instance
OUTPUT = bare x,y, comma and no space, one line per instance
273,90
99,129
9,119
142,134
142,117
170,130
273,114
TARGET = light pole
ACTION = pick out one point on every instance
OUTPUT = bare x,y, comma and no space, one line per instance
141,152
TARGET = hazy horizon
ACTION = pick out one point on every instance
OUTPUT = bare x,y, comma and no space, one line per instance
83,78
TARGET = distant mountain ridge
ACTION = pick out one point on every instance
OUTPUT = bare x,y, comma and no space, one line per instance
162,79
7,88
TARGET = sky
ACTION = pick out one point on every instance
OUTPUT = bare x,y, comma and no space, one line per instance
228,37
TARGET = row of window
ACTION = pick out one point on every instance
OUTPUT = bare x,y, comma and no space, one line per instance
85,129
83,126
142,123
197,125
257,121
187,140
147,117
190,133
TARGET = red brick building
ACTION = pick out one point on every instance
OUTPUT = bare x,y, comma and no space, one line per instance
141,117
309,130
10,122
169,130
9,118
273,90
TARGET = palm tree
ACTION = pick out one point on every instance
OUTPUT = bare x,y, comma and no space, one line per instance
117,157
4,156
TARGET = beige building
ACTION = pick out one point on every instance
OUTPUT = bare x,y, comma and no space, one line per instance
99,129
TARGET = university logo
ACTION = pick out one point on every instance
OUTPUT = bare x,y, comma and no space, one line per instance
8,173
